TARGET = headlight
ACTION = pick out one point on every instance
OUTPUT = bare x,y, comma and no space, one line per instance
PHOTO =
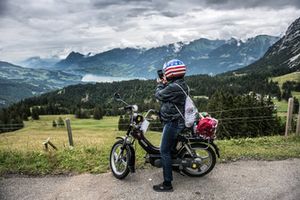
137,118
134,108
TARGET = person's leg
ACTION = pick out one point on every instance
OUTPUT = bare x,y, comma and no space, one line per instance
165,151
168,139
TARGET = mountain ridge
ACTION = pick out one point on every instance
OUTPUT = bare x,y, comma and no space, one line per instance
202,56
283,57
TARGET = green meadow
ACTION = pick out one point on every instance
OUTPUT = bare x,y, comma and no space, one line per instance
23,152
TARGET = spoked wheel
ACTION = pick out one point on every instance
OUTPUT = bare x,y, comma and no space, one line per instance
119,160
206,160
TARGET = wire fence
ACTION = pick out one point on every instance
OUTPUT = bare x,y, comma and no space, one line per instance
239,109
11,125
152,124
156,124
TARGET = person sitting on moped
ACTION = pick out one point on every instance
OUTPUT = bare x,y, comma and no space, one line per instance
169,93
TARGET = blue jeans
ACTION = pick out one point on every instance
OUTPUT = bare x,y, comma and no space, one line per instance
168,142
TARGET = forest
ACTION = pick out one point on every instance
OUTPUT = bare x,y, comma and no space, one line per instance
210,93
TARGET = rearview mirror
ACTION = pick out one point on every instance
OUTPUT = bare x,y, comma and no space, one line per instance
117,97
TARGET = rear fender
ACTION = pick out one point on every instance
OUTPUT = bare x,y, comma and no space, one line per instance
216,148
204,146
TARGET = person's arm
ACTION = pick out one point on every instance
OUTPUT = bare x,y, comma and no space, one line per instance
164,92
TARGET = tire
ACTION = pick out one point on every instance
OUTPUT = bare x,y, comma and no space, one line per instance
115,164
203,149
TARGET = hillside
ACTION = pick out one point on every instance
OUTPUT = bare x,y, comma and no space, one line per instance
284,87
12,91
17,82
295,76
282,58
202,56
142,92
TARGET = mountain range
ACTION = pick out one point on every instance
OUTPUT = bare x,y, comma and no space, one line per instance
37,62
202,56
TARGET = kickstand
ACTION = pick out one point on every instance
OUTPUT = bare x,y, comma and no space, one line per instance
181,173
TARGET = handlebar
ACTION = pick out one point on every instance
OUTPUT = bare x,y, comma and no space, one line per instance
150,111
129,108
126,108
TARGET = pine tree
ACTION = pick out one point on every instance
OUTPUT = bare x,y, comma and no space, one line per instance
82,114
286,94
78,113
35,113
243,115
98,113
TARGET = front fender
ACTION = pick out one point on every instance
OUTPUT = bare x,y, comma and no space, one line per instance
130,149
121,138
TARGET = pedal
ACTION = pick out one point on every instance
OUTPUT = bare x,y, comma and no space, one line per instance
180,171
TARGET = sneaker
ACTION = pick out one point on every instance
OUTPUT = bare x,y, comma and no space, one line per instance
162,188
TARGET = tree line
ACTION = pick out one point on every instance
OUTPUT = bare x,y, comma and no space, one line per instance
96,100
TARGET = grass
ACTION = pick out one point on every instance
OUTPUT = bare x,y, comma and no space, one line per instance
283,105
287,77
22,151
296,94
265,148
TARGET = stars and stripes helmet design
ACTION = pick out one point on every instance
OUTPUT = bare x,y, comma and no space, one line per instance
174,69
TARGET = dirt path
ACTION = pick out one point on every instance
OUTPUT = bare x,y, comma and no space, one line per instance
238,180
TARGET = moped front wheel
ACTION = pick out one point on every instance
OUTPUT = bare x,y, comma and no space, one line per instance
206,159
119,160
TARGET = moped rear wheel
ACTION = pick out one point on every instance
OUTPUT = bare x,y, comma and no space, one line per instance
119,160
206,157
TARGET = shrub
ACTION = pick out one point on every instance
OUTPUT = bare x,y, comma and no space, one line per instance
54,123
60,122
98,113
35,113
82,114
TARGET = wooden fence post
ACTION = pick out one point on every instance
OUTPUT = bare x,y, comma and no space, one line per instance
69,132
46,142
289,116
298,123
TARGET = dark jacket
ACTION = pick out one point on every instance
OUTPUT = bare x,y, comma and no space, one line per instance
170,95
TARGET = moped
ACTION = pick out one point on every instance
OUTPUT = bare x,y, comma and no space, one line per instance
193,155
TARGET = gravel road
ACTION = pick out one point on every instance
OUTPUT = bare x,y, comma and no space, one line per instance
237,180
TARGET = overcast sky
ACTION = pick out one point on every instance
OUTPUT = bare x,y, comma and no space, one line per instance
56,27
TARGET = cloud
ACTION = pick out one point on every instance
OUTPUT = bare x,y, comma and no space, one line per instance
39,28
3,7
103,4
171,14
230,4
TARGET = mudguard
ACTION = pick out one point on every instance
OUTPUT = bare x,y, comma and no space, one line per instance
216,148
206,145
131,163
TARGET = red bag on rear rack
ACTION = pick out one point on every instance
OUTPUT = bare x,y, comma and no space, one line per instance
206,128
